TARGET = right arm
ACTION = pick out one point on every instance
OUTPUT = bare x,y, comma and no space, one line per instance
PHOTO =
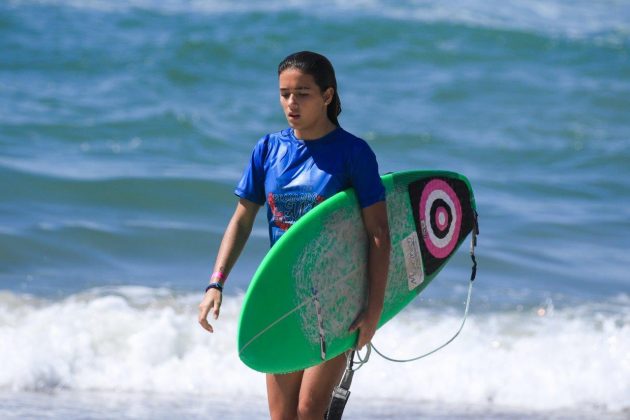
233,242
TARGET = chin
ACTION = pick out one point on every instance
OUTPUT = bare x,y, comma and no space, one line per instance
294,125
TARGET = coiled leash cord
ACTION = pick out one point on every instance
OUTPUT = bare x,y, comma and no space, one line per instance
413,359
473,274
341,393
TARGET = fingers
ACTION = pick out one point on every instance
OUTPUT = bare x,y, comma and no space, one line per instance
206,325
360,340
203,317
209,302
216,308
366,330
356,324
365,336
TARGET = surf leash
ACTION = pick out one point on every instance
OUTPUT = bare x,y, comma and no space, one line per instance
449,341
473,275
341,392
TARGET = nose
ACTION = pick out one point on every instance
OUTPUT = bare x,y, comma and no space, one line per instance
292,100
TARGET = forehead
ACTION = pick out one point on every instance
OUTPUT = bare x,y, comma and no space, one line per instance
296,79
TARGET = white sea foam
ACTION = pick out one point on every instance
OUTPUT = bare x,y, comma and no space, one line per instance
148,340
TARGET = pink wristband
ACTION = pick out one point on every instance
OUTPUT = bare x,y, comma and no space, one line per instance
218,275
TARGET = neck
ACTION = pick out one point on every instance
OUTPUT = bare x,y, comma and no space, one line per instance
315,132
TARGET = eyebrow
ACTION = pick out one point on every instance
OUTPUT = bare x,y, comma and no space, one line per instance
297,88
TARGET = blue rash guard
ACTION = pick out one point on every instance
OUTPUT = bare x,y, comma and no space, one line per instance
292,176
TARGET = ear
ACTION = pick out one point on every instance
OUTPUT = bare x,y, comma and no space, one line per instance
328,95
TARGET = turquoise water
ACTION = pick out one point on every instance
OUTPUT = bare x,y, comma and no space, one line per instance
124,127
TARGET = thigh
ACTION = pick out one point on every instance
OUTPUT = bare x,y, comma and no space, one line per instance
317,385
282,394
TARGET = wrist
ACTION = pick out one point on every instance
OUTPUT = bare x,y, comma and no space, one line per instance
374,310
218,277
214,285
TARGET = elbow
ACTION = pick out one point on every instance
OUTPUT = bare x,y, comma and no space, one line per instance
380,239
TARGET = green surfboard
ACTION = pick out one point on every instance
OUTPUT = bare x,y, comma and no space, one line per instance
312,284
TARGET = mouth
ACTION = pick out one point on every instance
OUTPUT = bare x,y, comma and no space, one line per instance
293,115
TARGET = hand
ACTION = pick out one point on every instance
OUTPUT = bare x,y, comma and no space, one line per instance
211,302
366,322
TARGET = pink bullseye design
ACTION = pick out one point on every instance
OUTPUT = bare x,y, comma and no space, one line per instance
441,218
440,245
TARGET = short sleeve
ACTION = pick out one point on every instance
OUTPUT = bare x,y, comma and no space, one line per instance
252,184
364,175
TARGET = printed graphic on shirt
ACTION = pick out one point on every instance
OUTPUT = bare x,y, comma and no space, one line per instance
287,208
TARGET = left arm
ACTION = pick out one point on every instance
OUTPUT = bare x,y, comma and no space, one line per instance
377,228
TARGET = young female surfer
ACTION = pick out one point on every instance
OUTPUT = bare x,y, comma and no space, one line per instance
292,171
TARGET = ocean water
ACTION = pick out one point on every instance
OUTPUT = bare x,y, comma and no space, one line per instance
124,127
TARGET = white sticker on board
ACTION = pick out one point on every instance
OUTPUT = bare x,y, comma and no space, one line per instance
413,260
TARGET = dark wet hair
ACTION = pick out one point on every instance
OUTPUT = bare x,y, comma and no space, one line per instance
322,71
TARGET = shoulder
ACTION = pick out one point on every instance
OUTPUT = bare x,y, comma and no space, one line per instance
355,145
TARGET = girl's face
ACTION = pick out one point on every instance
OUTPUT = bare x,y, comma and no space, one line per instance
304,104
